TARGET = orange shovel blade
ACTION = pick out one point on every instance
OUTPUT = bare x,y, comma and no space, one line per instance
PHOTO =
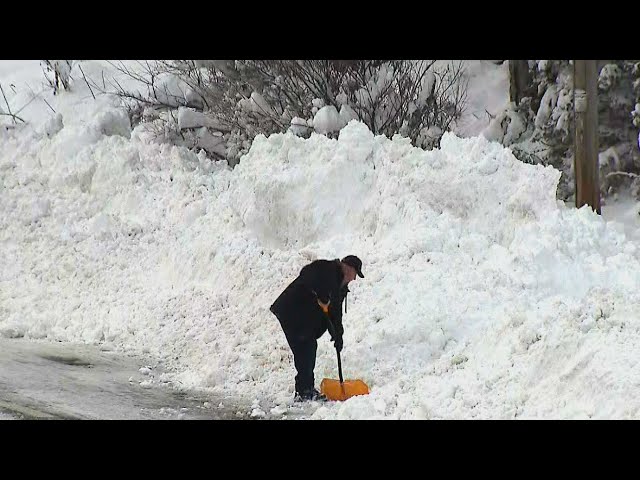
333,390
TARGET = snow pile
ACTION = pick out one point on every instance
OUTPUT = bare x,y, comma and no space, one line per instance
483,297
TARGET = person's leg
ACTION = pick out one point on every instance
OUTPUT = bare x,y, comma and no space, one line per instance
304,359
300,349
304,351
307,364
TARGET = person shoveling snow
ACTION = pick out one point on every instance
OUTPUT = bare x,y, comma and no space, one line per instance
310,305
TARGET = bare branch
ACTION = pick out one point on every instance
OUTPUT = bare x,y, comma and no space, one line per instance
8,106
85,81
45,101
625,174
13,116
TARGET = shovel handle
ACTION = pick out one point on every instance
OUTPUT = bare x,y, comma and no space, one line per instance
332,330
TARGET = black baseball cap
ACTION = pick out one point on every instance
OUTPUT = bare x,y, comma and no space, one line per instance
355,262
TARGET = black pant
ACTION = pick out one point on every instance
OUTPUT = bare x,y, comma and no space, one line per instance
304,359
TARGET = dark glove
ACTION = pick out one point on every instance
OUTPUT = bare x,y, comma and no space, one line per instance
338,344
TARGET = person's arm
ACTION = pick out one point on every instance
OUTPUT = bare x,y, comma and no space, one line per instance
335,316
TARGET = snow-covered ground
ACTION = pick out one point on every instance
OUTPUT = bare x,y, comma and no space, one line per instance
483,296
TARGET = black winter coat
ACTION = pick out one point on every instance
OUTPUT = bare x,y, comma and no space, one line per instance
297,306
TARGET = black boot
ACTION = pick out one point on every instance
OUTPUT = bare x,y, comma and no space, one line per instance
310,395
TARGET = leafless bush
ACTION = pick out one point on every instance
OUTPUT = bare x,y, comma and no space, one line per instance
243,98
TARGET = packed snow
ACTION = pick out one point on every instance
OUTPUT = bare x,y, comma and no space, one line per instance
483,296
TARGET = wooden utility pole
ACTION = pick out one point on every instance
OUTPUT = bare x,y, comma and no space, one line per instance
585,104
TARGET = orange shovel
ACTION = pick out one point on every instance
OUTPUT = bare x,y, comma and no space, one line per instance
334,389
342,390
